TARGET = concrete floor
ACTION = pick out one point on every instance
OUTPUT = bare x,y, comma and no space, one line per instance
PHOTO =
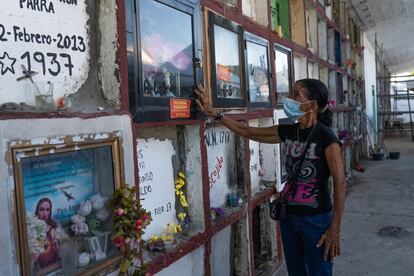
381,196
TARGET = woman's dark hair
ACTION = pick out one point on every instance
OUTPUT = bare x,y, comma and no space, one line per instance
317,91
49,220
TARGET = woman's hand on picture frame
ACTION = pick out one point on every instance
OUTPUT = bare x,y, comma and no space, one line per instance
204,102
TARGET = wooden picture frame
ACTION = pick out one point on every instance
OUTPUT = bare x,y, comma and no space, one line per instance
59,179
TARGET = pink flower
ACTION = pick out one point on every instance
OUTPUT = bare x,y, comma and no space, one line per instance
119,212
119,241
138,222
332,103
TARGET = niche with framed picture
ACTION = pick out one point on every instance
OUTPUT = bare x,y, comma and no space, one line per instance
164,58
63,224
257,71
227,62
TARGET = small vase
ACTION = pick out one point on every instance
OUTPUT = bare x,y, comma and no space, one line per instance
69,256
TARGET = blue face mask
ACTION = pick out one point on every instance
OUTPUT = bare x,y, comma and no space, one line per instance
292,109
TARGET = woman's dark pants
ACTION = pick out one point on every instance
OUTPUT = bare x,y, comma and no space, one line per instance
300,234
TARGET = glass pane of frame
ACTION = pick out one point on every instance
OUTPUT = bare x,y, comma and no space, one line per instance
228,67
64,224
258,72
166,50
282,67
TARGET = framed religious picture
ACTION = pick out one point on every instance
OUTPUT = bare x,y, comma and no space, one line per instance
257,71
64,225
227,62
164,57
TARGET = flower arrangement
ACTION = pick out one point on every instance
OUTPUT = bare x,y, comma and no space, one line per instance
36,234
91,214
130,222
179,192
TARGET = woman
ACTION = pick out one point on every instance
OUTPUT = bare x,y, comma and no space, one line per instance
311,231
51,253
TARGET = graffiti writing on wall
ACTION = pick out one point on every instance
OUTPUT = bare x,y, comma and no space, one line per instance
214,138
221,163
215,174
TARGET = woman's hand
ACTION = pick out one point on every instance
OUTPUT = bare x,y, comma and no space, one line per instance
204,102
331,241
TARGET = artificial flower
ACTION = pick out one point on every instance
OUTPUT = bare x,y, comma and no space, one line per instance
80,228
76,219
97,201
119,212
36,234
102,214
183,201
119,241
182,216
85,208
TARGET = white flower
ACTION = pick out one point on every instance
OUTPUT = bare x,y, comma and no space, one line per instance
102,214
98,201
80,228
84,259
85,208
58,233
76,219
36,233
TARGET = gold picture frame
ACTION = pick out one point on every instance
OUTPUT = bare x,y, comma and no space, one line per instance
66,151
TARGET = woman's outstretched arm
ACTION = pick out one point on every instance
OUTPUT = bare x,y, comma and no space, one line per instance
259,134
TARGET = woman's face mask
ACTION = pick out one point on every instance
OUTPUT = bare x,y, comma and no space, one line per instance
292,109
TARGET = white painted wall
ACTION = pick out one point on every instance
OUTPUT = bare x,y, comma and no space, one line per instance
220,253
156,176
268,154
43,131
194,177
189,265
300,66
370,81
254,166
278,114
58,35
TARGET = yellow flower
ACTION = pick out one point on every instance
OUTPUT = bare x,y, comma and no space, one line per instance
183,201
182,175
179,183
182,216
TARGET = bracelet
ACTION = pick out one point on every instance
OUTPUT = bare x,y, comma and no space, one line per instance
219,115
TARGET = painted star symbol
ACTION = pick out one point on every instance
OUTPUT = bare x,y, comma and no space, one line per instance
7,63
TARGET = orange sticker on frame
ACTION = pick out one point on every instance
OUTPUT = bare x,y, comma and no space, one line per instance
223,72
179,108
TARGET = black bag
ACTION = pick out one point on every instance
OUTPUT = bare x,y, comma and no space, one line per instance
279,207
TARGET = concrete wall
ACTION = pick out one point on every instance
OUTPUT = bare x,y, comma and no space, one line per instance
220,253
71,44
370,88
221,155
189,265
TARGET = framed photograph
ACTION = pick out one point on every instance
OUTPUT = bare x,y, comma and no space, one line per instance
283,67
164,56
257,71
63,223
227,62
